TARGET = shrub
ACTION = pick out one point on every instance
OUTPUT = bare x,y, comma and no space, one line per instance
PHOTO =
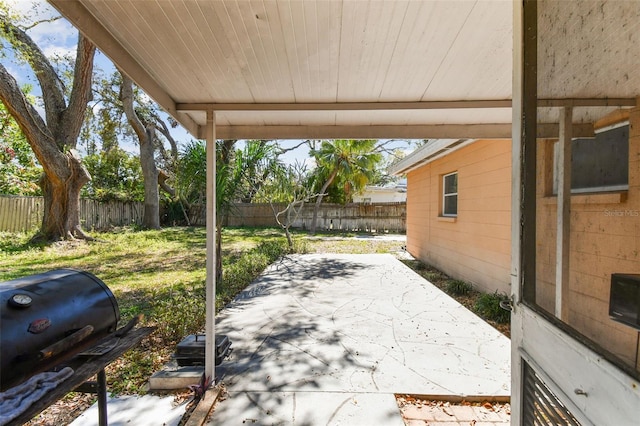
458,287
488,307
239,274
179,311
301,246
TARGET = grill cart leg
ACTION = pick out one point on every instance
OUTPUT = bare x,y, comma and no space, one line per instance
102,398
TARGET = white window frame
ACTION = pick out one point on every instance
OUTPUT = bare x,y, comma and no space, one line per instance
451,194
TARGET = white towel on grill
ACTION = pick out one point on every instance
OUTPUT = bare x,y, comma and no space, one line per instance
17,400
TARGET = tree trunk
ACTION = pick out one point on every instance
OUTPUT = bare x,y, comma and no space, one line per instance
61,219
151,217
316,207
289,239
53,140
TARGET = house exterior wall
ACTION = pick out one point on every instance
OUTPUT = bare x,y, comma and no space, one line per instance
476,245
604,239
380,195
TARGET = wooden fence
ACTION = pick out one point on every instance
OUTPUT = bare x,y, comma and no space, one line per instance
380,217
24,214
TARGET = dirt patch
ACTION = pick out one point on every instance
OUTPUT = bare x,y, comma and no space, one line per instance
424,411
64,411
441,280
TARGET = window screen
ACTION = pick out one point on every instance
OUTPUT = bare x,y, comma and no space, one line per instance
450,195
600,163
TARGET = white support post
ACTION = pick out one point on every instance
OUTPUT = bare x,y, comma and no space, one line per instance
523,189
516,195
210,327
563,219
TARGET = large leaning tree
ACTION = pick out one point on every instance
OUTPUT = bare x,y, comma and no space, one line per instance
121,113
145,132
54,137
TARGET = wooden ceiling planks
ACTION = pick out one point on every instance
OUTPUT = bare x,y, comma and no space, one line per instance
287,52
475,62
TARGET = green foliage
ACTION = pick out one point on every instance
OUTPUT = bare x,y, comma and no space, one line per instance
227,180
344,167
246,268
19,170
178,311
488,306
285,184
257,165
301,246
191,172
116,175
458,287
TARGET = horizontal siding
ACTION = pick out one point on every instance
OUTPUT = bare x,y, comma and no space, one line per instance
604,239
477,246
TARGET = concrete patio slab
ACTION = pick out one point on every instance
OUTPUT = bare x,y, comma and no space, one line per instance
310,409
316,330
147,410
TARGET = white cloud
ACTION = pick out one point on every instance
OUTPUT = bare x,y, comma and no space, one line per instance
57,37
52,51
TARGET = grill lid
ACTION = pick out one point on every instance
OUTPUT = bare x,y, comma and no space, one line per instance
50,315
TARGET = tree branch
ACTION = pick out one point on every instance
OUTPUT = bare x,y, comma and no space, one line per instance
164,130
126,96
282,150
51,86
42,21
81,94
162,181
30,122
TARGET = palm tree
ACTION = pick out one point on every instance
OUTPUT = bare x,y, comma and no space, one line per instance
237,171
354,161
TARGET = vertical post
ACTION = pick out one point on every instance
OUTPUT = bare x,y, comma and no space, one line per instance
517,369
563,219
523,186
210,326
528,146
102,398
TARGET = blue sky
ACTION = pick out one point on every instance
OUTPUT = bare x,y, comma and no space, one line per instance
60,38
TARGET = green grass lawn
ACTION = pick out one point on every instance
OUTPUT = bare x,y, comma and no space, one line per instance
161,274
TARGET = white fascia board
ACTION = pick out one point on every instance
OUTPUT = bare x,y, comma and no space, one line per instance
427,153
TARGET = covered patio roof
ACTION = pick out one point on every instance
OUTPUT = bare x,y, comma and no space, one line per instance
322,69
314,68
319,69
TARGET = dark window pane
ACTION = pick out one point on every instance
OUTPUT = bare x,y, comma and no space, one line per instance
451,184
451,205
602,161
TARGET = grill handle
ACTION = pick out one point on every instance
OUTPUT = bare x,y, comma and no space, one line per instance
127,328
66,343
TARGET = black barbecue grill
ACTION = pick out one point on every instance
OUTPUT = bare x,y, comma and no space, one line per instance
49,317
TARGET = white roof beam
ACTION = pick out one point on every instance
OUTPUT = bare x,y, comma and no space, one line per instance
430,131
426,105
